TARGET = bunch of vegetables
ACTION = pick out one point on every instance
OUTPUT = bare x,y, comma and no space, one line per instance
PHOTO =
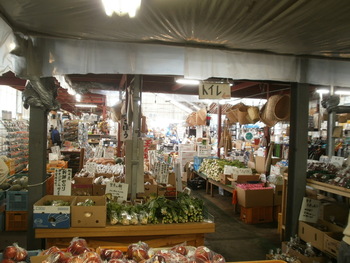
86,202
212,168
157,210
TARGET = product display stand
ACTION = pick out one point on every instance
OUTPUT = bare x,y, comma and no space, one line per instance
159,235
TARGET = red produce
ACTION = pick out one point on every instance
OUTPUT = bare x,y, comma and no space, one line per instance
91,257
138,251
217,258
180,249
6,260
75,259
78,246
203,254
58,257
107,254
50,250
117,260
10,252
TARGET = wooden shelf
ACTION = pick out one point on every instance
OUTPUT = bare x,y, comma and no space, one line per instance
159,235
329,188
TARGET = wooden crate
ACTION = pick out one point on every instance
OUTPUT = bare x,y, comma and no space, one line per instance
16,221
256,215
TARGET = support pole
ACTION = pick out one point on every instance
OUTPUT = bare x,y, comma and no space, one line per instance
219,128
136,143
297,155
330,127
37,167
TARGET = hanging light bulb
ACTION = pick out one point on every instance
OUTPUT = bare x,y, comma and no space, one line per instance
121,7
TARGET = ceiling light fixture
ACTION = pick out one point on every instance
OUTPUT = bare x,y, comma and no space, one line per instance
188,81
121,7
342,92
86,105
322,91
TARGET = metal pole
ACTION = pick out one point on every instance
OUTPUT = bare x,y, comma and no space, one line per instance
219,128
37,167
330,127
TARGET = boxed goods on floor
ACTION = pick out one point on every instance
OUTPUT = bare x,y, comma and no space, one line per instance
302,258
16,201
315,233
89,211
256,215
16,221
277,194
331,243
254,195
53,211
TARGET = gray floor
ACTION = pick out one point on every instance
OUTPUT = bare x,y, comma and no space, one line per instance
235,240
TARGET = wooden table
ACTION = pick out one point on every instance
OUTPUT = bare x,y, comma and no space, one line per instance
159,235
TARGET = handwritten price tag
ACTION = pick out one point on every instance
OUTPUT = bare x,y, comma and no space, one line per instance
309,210
62,182
118,190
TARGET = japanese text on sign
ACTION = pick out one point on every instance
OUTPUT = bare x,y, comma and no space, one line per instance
215,91
309,210
126,131
118,190
63,182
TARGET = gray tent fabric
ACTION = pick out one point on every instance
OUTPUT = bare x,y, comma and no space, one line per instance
241,39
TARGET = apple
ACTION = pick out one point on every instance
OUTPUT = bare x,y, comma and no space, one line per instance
217,258
203,254
116,254
78,246
21,254
139,254
10,252
158,259
180,249
116,260
91,257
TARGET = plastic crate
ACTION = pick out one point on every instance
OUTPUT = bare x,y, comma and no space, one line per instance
31,253
16,201
2,222
256,215
16,221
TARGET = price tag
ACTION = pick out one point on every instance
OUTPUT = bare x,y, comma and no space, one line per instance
90,167
243,171
163,174
337,161
118,190
309,210
63,182
53,157
203,150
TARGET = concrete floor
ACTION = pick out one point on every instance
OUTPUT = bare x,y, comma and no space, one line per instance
235,240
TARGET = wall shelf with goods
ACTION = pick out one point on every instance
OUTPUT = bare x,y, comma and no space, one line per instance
14,143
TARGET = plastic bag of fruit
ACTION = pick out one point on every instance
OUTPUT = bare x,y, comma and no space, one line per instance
138,251
14,253
78,246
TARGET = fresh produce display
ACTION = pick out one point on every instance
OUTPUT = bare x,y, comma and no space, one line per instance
14,254
15,184
56,203
329,173
157,210
86,202
136,252
212,168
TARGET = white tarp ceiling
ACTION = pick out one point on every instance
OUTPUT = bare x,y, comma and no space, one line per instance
241,39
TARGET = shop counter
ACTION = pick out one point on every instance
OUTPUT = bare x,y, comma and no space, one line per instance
158,235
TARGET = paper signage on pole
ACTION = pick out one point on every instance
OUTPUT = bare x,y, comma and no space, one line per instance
215,91
163,174
126,133
119,190
309,210
62,182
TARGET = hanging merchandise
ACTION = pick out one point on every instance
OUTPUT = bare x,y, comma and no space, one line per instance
277,108
201,117
253,113
192,119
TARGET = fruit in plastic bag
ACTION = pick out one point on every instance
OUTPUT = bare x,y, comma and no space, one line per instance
107,254
78,246
203,254
15,253
90,257
180,249
75,259
58,257
138,251
50,250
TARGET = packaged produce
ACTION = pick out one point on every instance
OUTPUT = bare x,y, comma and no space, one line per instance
78,246
15,253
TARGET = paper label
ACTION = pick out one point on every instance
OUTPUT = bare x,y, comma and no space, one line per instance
163,174
126,133
63,182
119,190
90,167
337,161
53,157
203,150
309,211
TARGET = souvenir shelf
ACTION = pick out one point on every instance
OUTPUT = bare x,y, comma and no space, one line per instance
14,143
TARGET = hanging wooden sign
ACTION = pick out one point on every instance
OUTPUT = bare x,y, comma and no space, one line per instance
216,91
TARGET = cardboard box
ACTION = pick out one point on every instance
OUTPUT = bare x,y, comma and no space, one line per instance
311,233
301,257
172,179
52,216
260,164
277,194
331,243
335,211
89,216
83,180
150,187
81,190
255,198
224,179
244,179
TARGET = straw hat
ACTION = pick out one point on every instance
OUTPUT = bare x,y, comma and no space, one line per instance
253,113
